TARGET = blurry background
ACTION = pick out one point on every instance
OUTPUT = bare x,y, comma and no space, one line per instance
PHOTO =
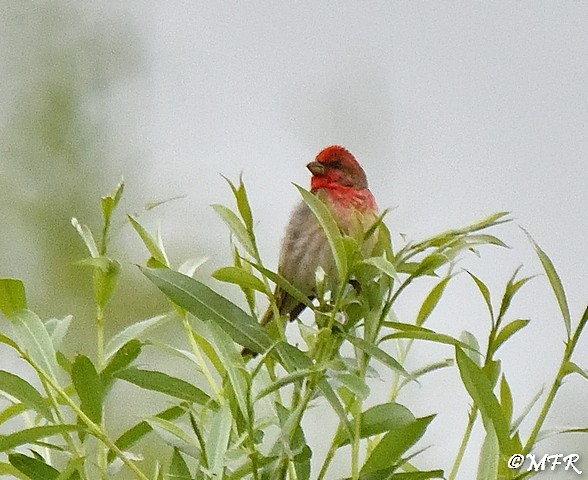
455,109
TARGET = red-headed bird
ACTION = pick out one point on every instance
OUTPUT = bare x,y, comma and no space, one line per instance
340,182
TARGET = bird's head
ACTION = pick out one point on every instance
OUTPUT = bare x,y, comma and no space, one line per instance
335,165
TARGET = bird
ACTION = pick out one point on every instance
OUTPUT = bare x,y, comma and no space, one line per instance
341,183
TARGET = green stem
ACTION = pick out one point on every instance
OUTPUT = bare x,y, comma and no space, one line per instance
355,441
329,457
100,336
464,443
96,430
562,372
197,352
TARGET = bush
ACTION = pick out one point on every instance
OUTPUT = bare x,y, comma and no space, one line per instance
243,419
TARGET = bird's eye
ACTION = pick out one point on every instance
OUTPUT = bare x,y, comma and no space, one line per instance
336,164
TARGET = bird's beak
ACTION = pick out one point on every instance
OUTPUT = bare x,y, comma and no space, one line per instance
316,168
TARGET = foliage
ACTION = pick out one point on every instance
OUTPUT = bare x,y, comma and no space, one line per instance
243,418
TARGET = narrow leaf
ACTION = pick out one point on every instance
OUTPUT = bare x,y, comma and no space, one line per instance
375,352
239,277
218,440
34,339
89,387
508,331
431,301
506,399
87,237
24,392
33,468
394,443
152,246
125,355
175,436
330,228
137,432
134,330
489,457
206,304
556,284
480,389
284,284
483,288
164,383
32,435
178,469
238,229
379,419
383,265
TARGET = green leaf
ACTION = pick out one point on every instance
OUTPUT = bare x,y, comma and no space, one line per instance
12,296
329,226
12,411
11,343
57,328
511,289
284,285
431,301
10,471
383,265
474,351
375,352
24,392
485,293
239,277
233,364
175,436
178,469
480,389
207,305
420,475
571,367
284,380
125,355
134,330
164,383
110,202
87,237
137,432
508,331
517,422
506,399
152,246
32,435
419,372
394,443
379,419
34,339
335,403
242,202
89,387
353,383
33,468
105,280
556,284
238,229
420,333
218,440
489,457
